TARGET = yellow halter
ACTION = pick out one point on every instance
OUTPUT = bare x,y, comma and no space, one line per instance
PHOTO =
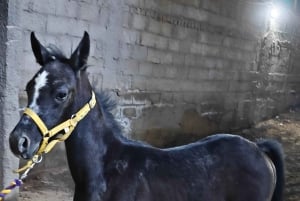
63,130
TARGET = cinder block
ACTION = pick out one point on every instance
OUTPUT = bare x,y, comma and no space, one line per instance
154,56
100,49
58,25
210,38
203,86
181,33
126,99
197,74
140,98
133,2
131,36
139,53
129,66
33,21
210,50
97,31
166,29
185,46
138,83
66,8
173,45
177,9
151,4
45,6
158,71
154,98
161,42
211,5
182,72
105,17
177,97
127,19
190,59
145,69
196,48
80,25
152,40
178,59
126,51
216,75
171,71
139,22
166,58
65,43
154,26
240,86
195,13
130,112
167,97
228,53
148,39
26,44
157,84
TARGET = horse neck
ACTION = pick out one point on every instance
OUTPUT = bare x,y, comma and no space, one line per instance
88,136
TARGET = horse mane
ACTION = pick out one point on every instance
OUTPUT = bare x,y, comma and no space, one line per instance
107,105
57,53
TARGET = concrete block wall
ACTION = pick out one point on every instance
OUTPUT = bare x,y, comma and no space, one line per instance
210,57
163,59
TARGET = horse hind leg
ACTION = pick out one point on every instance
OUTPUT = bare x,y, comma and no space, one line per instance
272,168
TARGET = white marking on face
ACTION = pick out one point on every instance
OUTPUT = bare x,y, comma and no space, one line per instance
40,82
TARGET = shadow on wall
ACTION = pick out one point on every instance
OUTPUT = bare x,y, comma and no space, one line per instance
191,128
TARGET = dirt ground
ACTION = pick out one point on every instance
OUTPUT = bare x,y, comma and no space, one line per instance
56,184
48,185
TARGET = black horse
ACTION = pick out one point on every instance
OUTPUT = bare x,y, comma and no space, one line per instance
108,167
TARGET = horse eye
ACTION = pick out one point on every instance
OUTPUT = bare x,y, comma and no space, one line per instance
61,96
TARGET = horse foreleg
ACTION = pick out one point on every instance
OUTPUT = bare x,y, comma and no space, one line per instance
89,192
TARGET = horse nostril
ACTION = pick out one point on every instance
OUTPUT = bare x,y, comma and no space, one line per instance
23,144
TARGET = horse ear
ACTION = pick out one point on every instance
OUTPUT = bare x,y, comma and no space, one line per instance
80,55
41,54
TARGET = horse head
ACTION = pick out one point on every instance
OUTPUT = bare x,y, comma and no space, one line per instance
51,93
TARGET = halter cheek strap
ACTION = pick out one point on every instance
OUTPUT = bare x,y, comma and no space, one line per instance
63,130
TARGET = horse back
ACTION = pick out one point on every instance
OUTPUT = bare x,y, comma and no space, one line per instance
209,169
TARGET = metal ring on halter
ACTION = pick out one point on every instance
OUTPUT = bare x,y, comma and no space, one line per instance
37,159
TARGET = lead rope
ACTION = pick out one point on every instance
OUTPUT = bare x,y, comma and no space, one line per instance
19,182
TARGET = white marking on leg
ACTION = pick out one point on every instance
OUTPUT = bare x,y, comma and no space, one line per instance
40,82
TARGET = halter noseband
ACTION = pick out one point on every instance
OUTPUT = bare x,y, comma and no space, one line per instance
62,130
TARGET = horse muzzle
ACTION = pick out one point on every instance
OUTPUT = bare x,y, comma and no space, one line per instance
23,141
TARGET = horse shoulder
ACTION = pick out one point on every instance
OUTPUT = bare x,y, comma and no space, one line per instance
127,176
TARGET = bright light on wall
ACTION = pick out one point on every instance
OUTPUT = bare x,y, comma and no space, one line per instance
275,12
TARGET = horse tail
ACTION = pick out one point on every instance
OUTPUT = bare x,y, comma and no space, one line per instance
274,151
